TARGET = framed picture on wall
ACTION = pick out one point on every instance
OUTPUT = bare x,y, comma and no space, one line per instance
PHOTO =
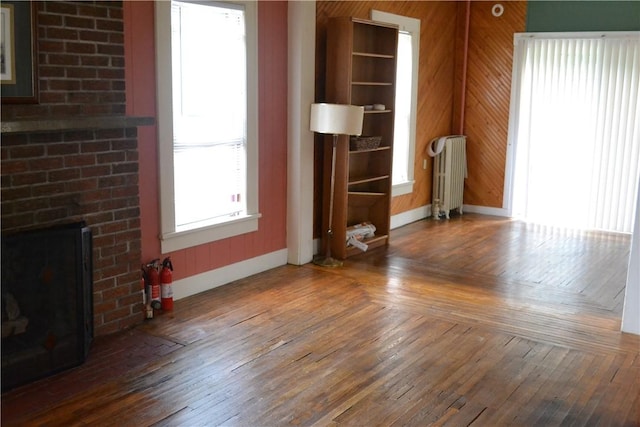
18,60
7,53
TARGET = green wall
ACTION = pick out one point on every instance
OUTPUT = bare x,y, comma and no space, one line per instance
557,16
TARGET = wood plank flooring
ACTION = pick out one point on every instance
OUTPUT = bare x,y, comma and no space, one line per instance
475,321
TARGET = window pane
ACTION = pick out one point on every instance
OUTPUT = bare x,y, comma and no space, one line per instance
402,126
209,112
209,184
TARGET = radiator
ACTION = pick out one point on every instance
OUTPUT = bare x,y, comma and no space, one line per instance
449,172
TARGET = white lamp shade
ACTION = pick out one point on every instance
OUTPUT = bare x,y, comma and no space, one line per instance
336,119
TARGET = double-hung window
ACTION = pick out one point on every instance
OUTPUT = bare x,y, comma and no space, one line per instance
207,119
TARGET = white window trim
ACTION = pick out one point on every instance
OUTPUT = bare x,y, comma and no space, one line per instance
410,25
169,238
404,187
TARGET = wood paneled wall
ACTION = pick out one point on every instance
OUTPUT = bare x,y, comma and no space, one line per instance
488,93
440,110
435,89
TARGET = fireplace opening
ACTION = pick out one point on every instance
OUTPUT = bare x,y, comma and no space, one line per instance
47,302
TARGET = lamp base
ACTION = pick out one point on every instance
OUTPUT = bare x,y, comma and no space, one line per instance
325,261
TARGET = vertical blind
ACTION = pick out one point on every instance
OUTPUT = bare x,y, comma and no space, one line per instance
576,128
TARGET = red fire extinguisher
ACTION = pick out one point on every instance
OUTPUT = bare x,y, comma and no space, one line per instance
154,283
165,282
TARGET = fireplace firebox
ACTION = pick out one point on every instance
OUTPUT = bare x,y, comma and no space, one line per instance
47,302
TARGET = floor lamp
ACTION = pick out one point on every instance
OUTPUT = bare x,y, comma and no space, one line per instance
334,119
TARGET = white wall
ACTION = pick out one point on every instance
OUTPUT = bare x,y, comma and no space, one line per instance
301,68
631,312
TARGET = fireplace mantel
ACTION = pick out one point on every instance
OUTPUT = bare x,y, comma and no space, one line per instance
76,123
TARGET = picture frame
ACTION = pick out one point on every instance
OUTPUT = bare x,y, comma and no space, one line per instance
18,56
7,53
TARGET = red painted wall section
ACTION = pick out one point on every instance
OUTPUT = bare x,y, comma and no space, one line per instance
140,92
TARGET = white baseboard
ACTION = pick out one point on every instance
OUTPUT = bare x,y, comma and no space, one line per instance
422,212
485,210
408,217
221,276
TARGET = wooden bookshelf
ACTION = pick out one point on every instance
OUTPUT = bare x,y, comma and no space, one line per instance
361,70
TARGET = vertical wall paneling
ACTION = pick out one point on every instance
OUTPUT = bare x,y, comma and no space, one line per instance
273,79
141,101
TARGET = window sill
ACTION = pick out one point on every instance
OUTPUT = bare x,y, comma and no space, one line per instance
404,188
198,236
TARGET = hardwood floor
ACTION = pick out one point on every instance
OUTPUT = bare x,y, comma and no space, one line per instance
473,321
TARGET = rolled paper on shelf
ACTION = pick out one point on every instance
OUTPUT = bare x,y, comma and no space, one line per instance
357,233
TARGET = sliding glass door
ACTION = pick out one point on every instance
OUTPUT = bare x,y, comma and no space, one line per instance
575,129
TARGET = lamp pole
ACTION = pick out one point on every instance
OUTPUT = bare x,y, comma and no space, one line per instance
334,119
333,185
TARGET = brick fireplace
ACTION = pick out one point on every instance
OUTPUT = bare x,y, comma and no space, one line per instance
73,156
